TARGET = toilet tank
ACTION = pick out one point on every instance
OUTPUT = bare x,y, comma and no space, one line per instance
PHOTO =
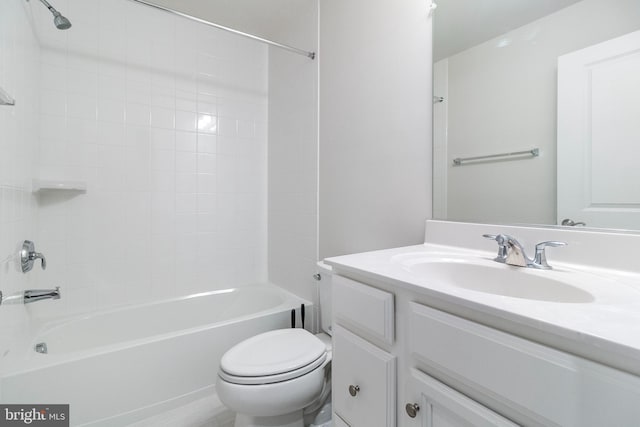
324,290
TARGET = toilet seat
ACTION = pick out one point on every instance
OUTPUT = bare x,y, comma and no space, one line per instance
272,357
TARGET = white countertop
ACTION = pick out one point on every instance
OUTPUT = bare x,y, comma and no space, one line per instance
606,329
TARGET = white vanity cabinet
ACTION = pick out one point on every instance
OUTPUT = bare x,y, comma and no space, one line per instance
530,383
454,372
363,373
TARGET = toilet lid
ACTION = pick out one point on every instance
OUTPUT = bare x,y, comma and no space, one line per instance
274,353
271,379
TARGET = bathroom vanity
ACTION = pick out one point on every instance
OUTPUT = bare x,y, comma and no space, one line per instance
442,335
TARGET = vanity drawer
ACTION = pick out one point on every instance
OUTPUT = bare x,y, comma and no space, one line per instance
364,309
545,385
363,381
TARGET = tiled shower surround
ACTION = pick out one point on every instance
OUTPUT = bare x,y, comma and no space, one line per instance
19,65
166,122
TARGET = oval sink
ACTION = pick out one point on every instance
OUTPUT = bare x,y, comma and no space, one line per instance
500,279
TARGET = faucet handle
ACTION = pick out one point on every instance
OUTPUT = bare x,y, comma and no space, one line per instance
500,238
503,246
551,243
28,255
541,256
43,261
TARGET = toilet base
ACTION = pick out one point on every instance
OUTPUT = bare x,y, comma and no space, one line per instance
293,419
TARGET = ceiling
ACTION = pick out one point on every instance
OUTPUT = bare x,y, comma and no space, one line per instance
461,24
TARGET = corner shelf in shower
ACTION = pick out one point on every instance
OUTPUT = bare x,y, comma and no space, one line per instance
6,99
41,185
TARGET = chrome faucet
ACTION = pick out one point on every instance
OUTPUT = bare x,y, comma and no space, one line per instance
511,252
28,256
33,295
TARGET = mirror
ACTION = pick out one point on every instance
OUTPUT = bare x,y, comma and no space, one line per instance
536,112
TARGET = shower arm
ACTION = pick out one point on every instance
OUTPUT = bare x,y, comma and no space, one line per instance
51,8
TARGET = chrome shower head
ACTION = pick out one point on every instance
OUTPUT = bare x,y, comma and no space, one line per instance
59,21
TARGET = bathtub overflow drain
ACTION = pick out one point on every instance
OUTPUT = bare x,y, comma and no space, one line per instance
41,348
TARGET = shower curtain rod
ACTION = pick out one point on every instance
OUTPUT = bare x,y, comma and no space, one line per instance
311,55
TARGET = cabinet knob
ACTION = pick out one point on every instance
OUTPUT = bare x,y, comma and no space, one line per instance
412,409
354,389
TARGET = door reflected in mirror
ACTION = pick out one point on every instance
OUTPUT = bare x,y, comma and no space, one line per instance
558,76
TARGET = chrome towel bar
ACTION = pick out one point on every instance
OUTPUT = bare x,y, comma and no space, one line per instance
535,152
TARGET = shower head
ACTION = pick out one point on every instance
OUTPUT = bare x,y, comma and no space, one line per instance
59,21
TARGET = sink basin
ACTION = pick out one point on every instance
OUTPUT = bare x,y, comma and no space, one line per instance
498,279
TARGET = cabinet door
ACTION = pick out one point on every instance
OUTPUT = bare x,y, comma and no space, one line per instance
441,406
364,381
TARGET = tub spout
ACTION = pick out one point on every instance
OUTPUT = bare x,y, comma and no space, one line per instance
33,295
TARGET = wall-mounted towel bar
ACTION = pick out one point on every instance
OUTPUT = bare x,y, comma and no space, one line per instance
5,98
535,152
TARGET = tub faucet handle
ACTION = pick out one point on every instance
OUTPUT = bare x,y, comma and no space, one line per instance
28,255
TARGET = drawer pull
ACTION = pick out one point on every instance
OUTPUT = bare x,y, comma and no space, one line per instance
412,409
354,389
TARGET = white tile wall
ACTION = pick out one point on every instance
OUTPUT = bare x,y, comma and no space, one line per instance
18,144
166,121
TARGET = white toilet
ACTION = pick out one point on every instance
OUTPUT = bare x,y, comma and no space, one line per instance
269,379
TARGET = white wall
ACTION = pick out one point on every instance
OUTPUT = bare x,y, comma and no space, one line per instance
502,98
19,76
375,124
293,157
166,120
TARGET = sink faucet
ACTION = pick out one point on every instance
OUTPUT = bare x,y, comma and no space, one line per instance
33,295
511,252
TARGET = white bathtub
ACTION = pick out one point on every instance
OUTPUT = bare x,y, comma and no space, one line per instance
119,366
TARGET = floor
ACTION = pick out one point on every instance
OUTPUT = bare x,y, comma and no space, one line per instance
206,412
